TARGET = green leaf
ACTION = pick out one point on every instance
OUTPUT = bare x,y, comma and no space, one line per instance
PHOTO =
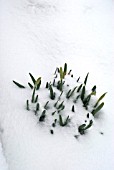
81,129
71,92
93,93
33,96
61,73
18,84
60,85
86,100
73,110
61,104
60,95
53,113
38,83
69,72
85,81
56,70
78,79
30,85
76,98
32,78
83,93
79,88
47,85
56,103
51,131
90,124
37,106
54,82
66,121
36,99
100,99
52,94
94,89
62,108
68,93
97,109
65,69
45,107
27,105
53,124
60,120
42,117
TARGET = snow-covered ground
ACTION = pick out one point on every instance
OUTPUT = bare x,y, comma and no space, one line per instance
37,36
3,164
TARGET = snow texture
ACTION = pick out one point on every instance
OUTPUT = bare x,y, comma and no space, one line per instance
3,164
37,36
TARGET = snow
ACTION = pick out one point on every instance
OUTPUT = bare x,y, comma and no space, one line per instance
37,36
3,164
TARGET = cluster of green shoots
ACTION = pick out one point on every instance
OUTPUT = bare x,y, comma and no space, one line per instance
59,84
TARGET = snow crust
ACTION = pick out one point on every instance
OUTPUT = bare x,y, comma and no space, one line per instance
37,36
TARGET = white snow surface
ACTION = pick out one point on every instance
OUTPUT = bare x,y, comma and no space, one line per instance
3,164
37,36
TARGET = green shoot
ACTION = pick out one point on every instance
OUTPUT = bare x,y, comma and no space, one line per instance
69,72
32,78
68,93
37,83
83,127
54,124
78,79
76,98
47,85
100,99
65,122
86,100
94,89
53,113
33,96
42,117
88,115
89,125
18,84
73,110
59,85
61,73
60,95
61,104
54,82
36,99
52,94
97,109
85,81
65,69
79,88
45,107
62,108
37,106
71,92
83,93
56,103
30,85
51,131
27,105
